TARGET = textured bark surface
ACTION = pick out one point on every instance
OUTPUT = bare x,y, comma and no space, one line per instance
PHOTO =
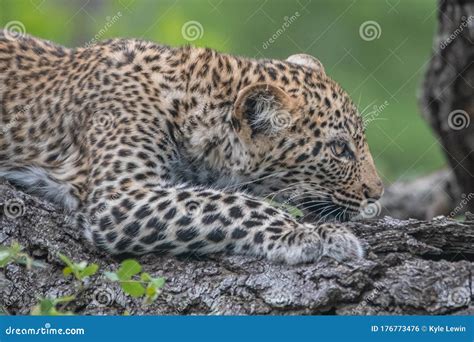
448,90
412,267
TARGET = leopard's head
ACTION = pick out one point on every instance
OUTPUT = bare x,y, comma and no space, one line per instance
305,141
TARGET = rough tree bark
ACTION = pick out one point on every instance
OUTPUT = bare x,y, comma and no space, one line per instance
448,91
447,103
412,267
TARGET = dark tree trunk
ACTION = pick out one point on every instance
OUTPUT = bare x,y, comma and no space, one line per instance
448,91
412,267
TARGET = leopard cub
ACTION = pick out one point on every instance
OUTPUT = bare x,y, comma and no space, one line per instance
161,149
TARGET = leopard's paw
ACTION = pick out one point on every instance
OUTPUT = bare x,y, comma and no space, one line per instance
340,243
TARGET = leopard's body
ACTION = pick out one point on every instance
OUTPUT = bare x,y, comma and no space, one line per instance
161,149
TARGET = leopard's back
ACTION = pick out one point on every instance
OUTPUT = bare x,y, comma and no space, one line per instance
40,119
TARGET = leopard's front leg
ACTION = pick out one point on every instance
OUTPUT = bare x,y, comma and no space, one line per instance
196,220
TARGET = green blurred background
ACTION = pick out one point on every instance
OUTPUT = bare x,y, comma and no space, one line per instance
376,49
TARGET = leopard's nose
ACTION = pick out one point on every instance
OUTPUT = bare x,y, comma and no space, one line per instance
373,191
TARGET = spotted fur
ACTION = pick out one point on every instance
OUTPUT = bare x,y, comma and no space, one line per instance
161,149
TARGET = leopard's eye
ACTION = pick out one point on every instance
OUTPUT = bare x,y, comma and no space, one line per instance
341,149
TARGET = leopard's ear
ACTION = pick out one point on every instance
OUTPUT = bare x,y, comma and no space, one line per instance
263,108
308,61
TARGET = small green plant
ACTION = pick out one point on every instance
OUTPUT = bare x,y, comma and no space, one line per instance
130,276
81,270
292,210
48,307
14,254
137,283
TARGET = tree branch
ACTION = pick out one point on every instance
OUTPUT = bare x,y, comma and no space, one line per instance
412,267
448,91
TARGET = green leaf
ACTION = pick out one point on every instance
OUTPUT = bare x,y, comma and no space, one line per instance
133,288
67,271
145,277
151,294
293,211
15,248
64,299
90,270
46,305
158,282
66,260
128,268
81,265
5,258
150,291
14,253
112,276
4,254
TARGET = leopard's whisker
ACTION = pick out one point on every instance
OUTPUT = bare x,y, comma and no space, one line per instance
233,186
291,198
322,216
323,219
362,113
323,205
274,193
321,196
